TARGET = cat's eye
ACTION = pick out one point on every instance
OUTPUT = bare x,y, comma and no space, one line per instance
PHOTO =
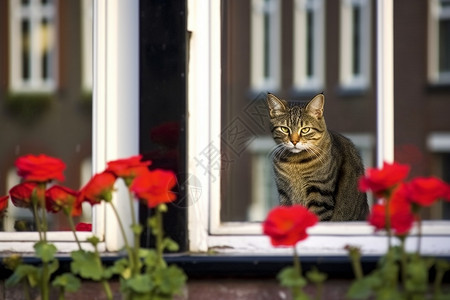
305,130
284,129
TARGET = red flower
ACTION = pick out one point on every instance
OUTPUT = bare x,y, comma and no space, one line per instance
40,168
83,227
286,225
401,217
128,168
99,188
21,194
154,187
425,191
382,180
3,203
62,198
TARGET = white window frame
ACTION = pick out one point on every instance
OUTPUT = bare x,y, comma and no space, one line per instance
206,230
115,122
348,79
435,76
259,80
34,14
303,81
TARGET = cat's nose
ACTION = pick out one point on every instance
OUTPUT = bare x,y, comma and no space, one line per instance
294,142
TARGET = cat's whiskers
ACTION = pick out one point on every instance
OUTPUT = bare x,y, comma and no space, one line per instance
277,152
316,151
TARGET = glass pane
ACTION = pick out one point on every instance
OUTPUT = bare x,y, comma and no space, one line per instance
38,119
444,46
310,43
25,34
356,40
248,189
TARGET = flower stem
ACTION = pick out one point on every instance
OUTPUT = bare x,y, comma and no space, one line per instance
41,202
37,221
122,230
388,222
45,279
355,256
159,235
404,261
107,289
136,233
72,227
104,282
133,217
297,291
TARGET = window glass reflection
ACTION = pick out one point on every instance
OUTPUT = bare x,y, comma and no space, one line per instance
47,108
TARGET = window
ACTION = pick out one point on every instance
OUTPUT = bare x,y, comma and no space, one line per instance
439,42
355,28
33,27
114,118
265,44
309,45
208,230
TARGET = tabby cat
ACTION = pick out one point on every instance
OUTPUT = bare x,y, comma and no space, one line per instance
313,166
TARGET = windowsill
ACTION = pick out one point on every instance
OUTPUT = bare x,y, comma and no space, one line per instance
438,87
236,266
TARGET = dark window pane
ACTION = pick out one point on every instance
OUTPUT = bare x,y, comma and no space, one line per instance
444,46
356,41
25,49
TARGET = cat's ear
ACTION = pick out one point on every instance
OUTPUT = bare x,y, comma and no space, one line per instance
277,107
315,107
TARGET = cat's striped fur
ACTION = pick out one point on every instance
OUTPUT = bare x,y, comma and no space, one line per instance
313,166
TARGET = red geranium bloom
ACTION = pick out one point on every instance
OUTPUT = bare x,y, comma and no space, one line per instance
3,203
382,180
83,227
154,187
128,168
62,198
21,194
401,217
425,191
99,188
286,225
40,168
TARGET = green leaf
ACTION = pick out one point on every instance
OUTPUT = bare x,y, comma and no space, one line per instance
363,288
93,240
120,267
86,264
68,282
289,277
137,229
301,296
170,245
389,294
315,276
31,273
45,251
140,283
171,279
12,262
150,258
416,275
